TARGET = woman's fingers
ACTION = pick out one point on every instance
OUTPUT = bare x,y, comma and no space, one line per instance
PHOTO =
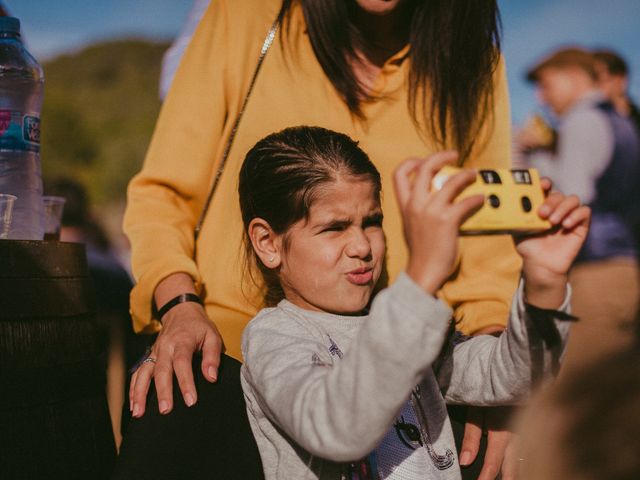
182,365
212,348
161,368
140,387
163,377
497,442
472,436
132,386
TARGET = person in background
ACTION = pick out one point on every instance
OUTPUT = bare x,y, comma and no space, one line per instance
596,158
613,81
172,57
112,285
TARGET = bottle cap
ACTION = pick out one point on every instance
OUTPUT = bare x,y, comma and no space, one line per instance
9,25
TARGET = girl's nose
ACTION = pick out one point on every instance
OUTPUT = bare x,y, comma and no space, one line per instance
359,245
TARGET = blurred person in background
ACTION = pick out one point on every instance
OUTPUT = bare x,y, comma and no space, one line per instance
596,158
112,285
613,81
173,55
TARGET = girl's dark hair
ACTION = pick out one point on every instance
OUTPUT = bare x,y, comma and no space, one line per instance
454,51
281,176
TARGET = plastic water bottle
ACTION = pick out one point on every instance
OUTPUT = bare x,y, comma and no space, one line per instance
21,94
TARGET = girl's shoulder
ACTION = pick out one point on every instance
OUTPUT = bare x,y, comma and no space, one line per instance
283,328
283,319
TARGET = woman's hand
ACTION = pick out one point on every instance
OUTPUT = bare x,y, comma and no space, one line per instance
431,220
185,330
547,257
500,457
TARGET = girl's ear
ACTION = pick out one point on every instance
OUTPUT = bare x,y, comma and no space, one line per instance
266,243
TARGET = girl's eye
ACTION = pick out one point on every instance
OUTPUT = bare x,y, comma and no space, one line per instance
337,226
375,222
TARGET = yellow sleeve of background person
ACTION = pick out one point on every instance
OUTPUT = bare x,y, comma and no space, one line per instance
166,197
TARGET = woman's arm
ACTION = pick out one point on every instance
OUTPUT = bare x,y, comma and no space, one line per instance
166,198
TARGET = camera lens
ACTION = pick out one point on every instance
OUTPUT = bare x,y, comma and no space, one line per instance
490,177
494,201
526,204
521,176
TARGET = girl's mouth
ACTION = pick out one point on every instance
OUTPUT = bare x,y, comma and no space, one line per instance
360,276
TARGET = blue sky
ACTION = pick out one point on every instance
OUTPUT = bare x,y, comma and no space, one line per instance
531,28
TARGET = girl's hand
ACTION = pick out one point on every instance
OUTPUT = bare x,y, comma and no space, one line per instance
548,257
431,219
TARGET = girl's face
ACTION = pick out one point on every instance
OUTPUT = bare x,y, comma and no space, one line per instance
332,261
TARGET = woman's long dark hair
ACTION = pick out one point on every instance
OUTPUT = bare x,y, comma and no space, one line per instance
454,51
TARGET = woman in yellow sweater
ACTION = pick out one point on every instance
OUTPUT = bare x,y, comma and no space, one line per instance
406,78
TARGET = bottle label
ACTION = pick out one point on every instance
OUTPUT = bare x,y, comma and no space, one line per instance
19,132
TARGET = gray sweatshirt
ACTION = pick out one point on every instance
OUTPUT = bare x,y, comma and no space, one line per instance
322,390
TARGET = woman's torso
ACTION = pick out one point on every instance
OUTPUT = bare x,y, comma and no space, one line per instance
292,89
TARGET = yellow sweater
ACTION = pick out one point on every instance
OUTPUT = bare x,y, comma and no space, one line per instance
166,197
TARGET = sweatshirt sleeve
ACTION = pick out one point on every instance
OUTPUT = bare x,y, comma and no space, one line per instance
164,199
487,370
341,411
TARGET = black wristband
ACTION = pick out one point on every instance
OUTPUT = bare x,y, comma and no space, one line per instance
185,297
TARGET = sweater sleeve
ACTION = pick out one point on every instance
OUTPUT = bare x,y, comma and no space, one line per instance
487,370
341,411
166,198
488,269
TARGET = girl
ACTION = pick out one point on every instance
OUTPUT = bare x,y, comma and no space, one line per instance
338,386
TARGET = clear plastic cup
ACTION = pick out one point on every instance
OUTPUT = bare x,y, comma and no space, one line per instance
6,213
53,208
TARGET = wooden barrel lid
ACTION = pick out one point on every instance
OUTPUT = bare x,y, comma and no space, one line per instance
41,279
44,259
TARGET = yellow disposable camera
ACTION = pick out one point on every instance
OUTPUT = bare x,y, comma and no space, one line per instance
512,199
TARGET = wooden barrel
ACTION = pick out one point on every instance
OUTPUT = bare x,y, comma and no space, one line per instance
54,420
